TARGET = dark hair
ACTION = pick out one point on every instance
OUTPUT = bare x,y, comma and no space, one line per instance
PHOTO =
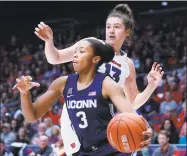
102,49
164,132
124,12
172,128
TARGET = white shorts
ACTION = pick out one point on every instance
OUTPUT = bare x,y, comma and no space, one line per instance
69,136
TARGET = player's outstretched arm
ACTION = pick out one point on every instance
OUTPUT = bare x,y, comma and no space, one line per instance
114,92
53,55
130,86
33,111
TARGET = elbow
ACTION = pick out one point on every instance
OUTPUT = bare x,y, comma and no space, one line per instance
52,61
31,120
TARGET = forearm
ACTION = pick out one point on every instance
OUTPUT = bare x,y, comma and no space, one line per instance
27,107
141,98
55,56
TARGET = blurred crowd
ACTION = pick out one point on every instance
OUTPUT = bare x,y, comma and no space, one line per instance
165,110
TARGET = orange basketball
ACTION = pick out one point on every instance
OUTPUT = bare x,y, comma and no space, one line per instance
124,132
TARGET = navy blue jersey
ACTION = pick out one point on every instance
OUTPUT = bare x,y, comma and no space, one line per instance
89,112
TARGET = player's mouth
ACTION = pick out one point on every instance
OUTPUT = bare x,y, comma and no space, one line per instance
74,62
112,37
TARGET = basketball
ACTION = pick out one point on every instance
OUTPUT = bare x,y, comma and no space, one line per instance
124,132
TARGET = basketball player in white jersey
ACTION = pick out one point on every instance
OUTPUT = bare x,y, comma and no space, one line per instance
119,25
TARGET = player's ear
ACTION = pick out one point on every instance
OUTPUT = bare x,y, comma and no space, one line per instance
127,32
96,59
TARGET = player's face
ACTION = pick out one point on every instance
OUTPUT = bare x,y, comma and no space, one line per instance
83,57
162,139
115,31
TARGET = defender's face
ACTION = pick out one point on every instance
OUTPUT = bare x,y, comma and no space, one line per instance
115,31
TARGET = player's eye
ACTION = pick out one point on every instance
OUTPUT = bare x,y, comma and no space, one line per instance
107,27
81,51
117,26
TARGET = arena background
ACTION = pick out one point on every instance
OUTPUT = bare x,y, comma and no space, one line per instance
160,35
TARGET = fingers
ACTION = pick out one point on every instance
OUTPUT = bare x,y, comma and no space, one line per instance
35,84
40,26
162,73
22,80
37,34
43,24
29,78
154,65
15,86
157,67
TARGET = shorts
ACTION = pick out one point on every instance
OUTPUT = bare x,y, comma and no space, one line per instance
104,150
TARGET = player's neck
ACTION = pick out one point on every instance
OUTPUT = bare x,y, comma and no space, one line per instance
117,50
85,78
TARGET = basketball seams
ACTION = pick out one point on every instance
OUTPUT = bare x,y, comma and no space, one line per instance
135,122
116,129
118,134
108,130
130,134
129,128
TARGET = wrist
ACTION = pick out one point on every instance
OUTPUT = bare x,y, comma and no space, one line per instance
49,41
152,86
25,93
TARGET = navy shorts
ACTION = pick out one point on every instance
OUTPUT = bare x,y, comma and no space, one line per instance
104,150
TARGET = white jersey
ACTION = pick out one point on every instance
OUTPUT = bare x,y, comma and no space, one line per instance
118,70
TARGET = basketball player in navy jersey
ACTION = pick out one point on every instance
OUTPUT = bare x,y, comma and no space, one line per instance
87,96
119,25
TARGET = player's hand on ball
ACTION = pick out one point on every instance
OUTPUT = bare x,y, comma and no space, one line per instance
147,134
44,32
155,75
24,84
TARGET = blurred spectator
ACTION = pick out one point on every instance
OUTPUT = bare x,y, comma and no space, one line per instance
29,128
179,120
41,129
182,135
165,148
168,105
48,123
55,134
169,126
3,151
44,149
22,136
7,136
14,126
176,94
59,147
54,116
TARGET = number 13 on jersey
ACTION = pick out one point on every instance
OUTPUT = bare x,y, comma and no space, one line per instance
113,71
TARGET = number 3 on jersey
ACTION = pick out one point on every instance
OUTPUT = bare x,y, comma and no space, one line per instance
111,69
82,116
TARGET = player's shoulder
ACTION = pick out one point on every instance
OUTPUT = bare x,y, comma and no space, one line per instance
130,63
109,82
59,83
61,80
